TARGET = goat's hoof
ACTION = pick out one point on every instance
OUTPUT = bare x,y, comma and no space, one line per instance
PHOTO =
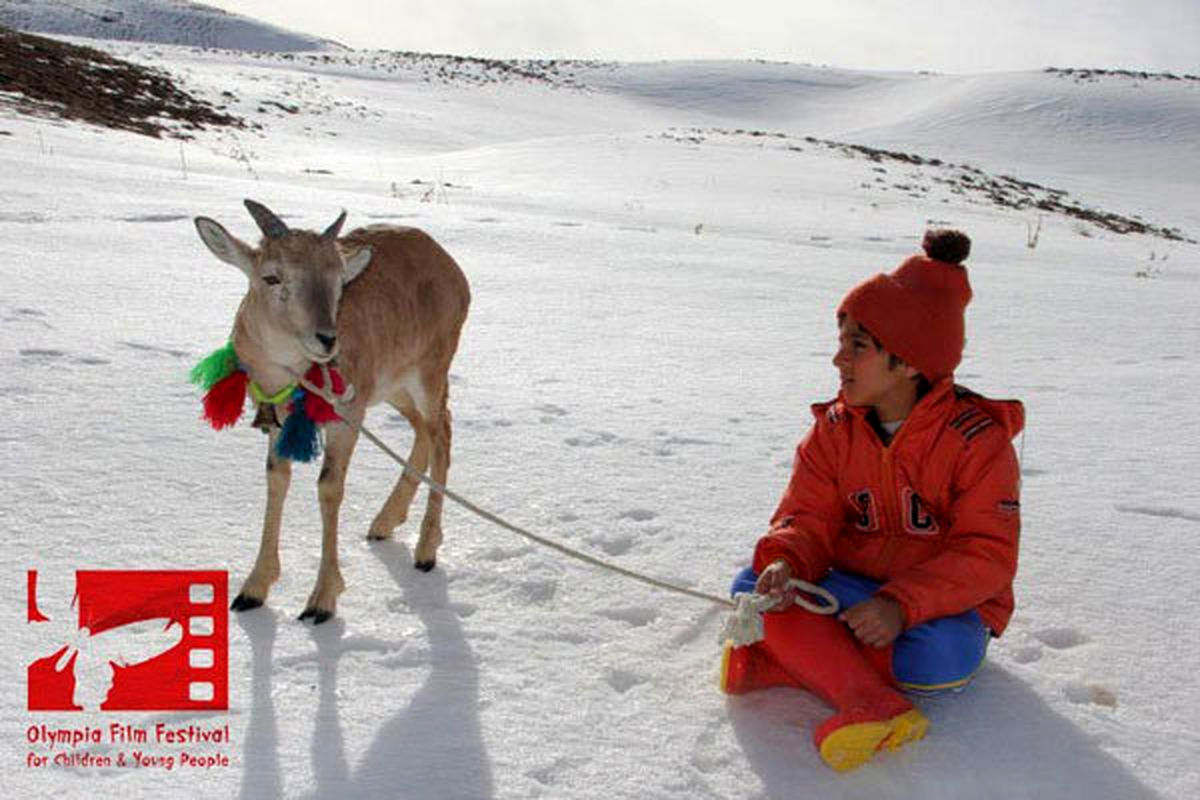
317,615
426,566
378,536
244,603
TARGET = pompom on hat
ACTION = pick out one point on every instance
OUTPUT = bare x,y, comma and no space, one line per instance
916,312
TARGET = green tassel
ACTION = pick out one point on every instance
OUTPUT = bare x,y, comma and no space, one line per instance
215,367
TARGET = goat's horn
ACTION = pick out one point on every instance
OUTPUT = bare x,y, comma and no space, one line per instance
332,231
271,225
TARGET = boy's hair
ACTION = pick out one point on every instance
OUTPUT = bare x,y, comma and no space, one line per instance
893,359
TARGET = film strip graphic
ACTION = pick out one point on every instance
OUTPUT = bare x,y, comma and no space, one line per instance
144,640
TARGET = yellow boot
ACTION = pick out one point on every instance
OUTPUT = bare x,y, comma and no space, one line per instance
849,739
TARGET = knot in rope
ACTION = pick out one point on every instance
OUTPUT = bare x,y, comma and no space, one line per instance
745,625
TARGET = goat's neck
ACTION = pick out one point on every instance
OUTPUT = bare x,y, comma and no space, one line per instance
268,364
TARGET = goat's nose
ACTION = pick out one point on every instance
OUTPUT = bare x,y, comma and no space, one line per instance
328,341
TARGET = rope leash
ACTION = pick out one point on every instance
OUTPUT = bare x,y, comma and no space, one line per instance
746,621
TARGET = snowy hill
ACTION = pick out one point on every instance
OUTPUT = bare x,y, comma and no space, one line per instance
164,21
655,253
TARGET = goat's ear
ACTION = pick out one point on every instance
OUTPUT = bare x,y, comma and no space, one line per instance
355,264
225,246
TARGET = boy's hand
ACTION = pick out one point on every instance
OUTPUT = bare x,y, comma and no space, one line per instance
877,621
773,581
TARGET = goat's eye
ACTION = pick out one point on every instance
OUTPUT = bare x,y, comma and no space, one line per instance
270,280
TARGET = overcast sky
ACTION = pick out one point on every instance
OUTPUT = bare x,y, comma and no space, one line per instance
940,35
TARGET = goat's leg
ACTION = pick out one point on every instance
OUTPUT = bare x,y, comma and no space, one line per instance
425,557
266,567
395,509
340,439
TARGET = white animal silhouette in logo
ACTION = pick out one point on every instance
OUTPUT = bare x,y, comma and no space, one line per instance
98,655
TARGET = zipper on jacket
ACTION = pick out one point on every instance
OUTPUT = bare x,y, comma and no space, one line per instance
892,512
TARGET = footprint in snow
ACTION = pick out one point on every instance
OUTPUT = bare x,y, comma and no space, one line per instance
1093,693
537,592
595,439
43,355
638,514
502,553
623,680
637,616
1027,654
1060,638
615,545
29,315
1160,511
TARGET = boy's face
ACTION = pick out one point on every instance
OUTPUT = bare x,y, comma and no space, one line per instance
867,377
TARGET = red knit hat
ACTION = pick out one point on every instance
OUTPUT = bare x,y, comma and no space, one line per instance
917,311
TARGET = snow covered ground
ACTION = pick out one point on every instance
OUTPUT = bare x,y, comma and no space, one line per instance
654,282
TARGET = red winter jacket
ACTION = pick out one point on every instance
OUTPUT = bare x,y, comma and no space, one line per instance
934,515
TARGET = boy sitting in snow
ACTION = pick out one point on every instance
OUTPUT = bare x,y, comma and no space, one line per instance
903,504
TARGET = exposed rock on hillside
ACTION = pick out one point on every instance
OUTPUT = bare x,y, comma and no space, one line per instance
45,77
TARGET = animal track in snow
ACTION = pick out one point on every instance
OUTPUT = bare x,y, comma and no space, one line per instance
551,411
638,514
153,218
1060,638
150,348
1160,511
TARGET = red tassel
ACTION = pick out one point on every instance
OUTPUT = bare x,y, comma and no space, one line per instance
317,409
225,401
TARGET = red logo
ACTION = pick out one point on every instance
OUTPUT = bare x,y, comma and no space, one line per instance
131,641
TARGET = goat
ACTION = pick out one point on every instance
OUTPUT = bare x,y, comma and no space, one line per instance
388,303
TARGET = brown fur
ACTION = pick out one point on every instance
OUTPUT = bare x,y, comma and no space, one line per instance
397,330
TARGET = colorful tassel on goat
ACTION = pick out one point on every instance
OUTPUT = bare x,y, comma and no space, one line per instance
226,399
215,367
298,439
226,385
317,408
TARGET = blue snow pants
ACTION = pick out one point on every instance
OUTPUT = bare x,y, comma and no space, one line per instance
938,656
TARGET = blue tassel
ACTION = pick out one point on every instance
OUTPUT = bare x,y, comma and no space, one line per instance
298,440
